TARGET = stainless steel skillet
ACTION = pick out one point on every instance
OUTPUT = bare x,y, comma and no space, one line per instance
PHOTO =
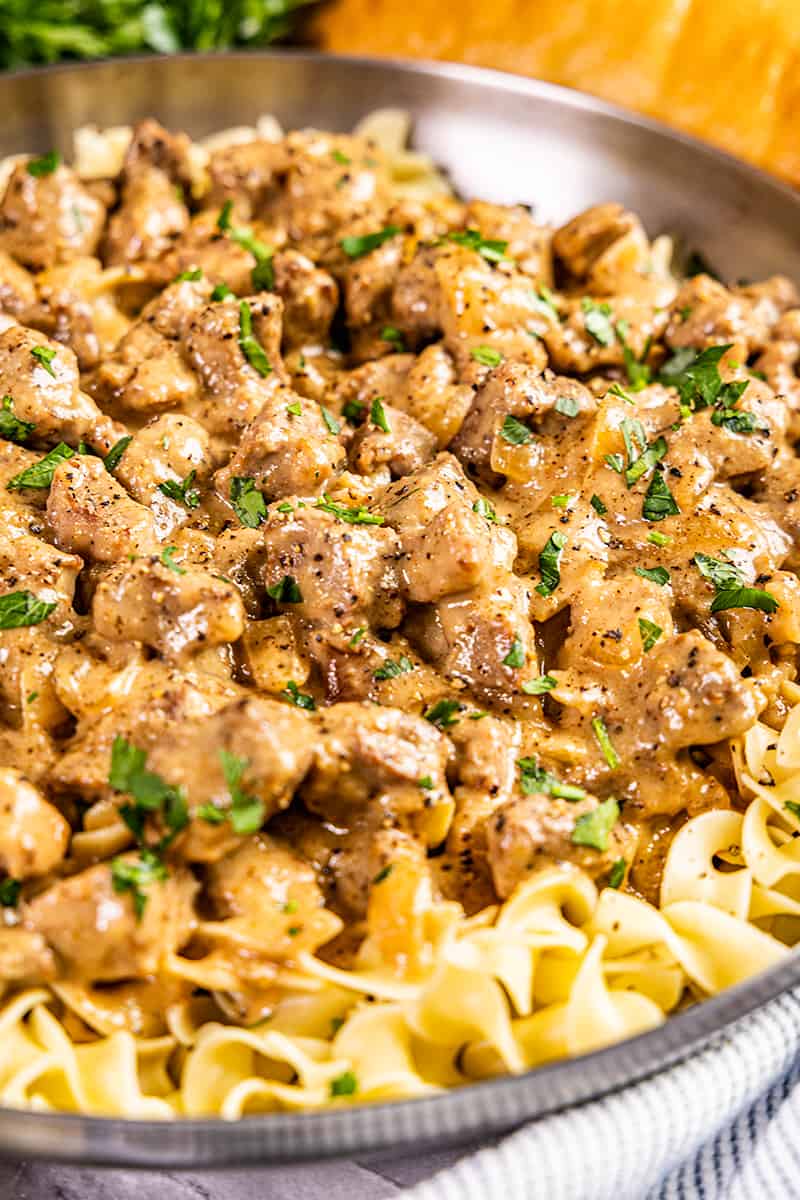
505,139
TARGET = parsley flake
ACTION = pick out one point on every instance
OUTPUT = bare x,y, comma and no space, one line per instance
487,356
169,562
391,669
597,320
539,686
535,780
40,474
21,609
247,501
659,501
492,249
604,742
44,355
549,564
659,575
593,828
286,592
45,164
649,633
182,491
299,699
357,247
515,432
443,713
249,344
377,415
114,456
516,655
11,427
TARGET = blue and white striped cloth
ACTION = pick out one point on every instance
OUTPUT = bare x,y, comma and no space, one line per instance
724,1125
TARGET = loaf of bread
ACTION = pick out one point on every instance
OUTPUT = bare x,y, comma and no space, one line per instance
725,70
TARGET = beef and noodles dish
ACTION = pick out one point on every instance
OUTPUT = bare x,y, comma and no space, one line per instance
399,622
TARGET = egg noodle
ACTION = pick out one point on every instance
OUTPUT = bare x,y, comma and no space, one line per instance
558,970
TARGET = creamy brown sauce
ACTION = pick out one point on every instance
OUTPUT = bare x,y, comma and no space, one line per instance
375,537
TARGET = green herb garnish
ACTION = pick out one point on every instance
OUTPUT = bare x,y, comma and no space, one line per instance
112,459
535,780
549,564
181,492
357,247
286,592
247,501
11,427
593,828
40,474
21,609
604,742
249,345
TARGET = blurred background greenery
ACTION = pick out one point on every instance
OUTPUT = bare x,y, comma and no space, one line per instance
50,30
725,70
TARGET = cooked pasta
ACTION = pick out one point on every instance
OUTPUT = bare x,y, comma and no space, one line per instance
398,627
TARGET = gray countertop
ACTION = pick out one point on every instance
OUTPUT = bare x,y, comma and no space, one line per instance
378,1178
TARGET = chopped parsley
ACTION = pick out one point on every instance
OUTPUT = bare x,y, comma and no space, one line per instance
540,685
357,636
549,564
646,461
295,409
246,812
345,1084
617,873
340,158
331,423
391,669
211,814
357,247
484,509
221,292
299,699
487,356
568,406
9,892
384,873
182,492
353,411
561,500
377,415
20,609
114,456
535,780
659,501
515,432
352,514
40,474
194,275
11,427
730,589
593,828
604,742
394,337
649,633
597,504
658,539
249,344
546,302
248,502
659,575
699,383
516,655
44,355
286,592
492,249
45,164
443,713
137,876
597,319
169,562
637,370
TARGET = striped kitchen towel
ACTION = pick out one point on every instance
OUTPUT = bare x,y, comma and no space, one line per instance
724,1125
